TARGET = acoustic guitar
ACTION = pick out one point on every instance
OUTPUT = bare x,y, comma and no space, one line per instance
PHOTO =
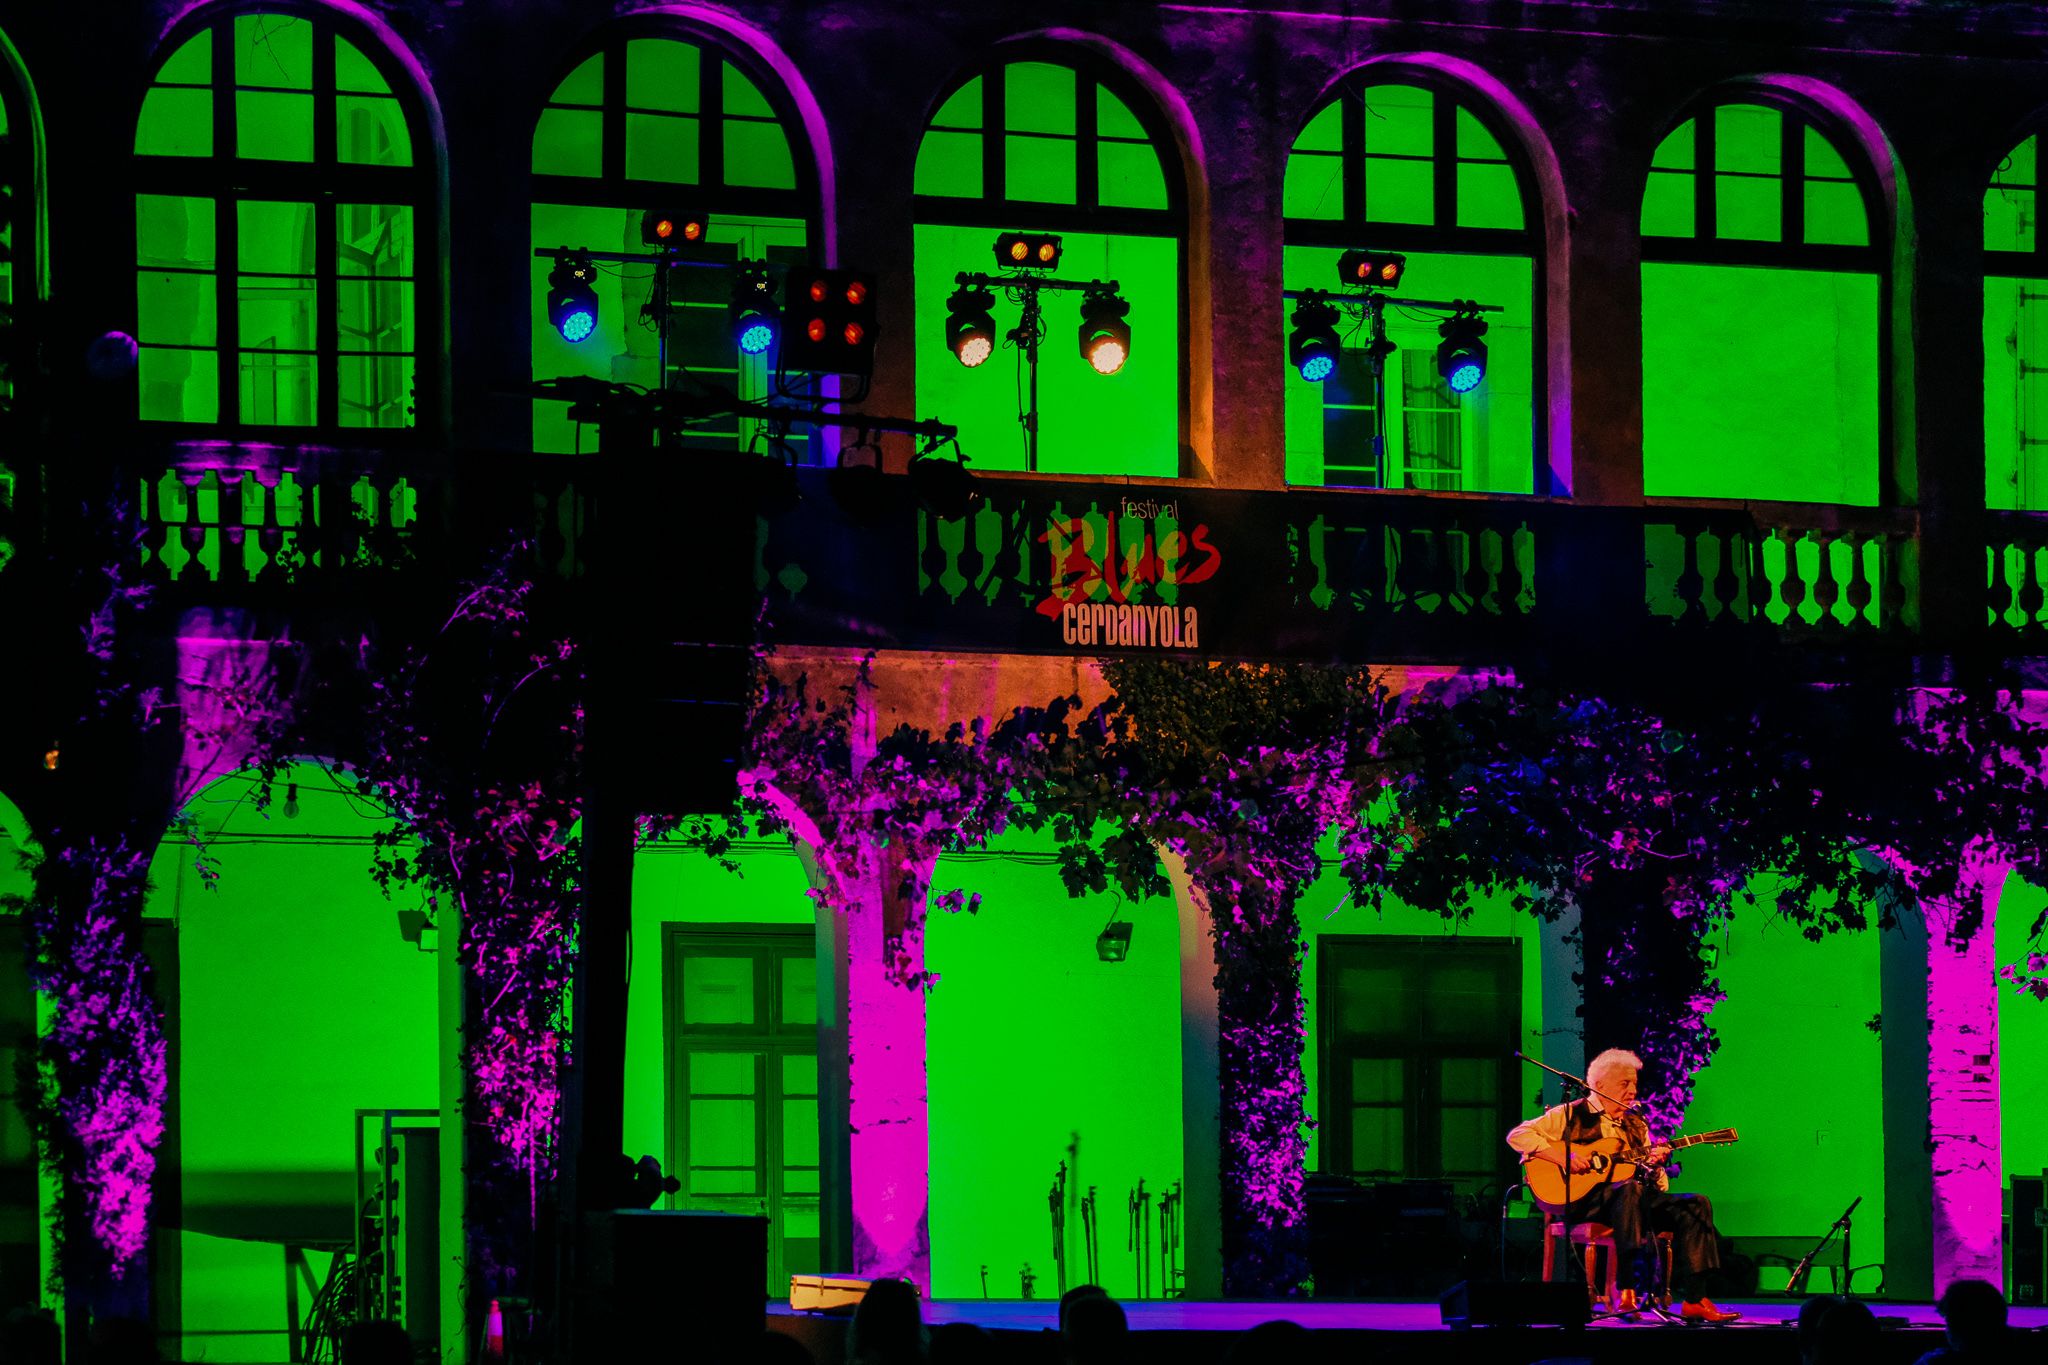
1553,1187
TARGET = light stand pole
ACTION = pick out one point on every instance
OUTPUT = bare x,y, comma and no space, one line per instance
1029,333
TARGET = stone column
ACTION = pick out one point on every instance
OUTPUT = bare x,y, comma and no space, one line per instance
1200,1124
1962,1078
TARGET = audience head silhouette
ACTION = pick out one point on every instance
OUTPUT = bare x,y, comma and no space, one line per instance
1845,1335
962,1343
1810,1314
1975,1313
1278,1342
887,1328
779,1348
1074,1296
1095,1332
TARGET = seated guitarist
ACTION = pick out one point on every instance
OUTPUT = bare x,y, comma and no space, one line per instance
1635,1209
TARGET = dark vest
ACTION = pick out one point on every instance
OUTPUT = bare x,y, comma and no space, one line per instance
1581,1124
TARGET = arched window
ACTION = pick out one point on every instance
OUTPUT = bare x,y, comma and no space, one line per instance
2015,335
1761,311
17,238
651,121
1045,146
1416,169
283,229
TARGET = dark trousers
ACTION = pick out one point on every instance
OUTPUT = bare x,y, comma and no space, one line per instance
1638,1212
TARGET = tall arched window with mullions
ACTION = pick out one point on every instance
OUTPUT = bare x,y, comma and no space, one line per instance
18,246
284,230
1419,169
655,120
1762,303
2016,335
1048,145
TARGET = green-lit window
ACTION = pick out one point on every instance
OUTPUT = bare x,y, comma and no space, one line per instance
17,271
1045,146
17,218
1414,169
651,121
2015,336
281,210
1761,295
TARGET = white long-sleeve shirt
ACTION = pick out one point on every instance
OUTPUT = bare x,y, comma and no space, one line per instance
1546,1131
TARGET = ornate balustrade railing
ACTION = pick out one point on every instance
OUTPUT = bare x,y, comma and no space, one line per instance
219,531
1816,573
1052,567
2016,577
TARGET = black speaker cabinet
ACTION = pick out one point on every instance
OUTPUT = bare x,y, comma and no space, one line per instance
658,1282
2029,1240
1506,1303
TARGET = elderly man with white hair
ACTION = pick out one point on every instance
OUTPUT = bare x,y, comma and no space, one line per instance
1636,1208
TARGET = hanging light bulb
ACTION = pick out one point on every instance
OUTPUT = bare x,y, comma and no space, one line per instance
291,800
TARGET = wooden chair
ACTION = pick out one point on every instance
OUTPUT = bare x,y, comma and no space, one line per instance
1598,1237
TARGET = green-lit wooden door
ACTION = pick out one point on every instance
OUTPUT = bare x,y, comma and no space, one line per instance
743,1082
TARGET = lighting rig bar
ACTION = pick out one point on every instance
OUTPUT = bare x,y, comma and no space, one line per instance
1427,305
975,279
587,398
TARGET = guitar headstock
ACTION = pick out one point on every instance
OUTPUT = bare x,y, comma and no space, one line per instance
1720,1137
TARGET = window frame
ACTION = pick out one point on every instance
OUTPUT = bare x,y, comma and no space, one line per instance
325,182
1086,214
1421,1060
611,188
1702,248
18,171
1874,258
1443,235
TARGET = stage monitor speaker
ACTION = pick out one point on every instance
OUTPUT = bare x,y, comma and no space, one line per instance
655,1280
1511,1303
2029,1259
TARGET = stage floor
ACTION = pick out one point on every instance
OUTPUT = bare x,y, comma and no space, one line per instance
1173,1315
1171,1332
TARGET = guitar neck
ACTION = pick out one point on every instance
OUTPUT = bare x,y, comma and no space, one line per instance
1720,1135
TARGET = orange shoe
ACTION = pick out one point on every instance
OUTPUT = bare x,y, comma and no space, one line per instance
1703,1310
1625,1303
